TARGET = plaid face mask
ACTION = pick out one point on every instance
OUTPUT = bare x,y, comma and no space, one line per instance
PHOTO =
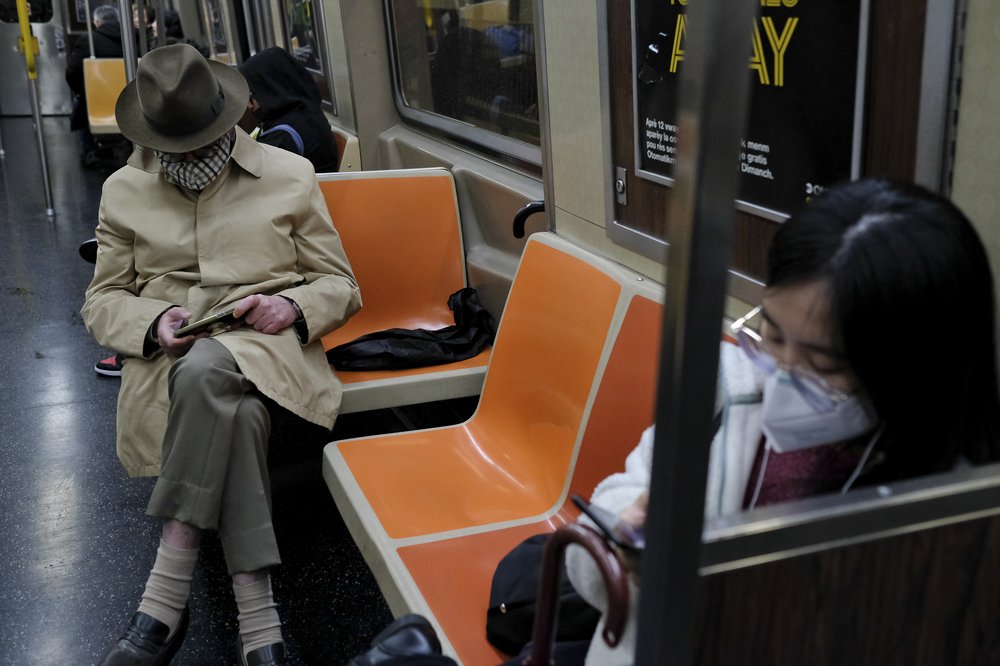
199,173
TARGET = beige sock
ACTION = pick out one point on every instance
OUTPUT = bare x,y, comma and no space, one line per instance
169,584
258,614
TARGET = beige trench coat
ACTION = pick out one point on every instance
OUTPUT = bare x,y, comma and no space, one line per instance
261,227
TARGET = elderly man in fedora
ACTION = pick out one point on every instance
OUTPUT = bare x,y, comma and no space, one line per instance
201,220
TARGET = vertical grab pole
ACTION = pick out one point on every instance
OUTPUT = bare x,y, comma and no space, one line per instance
90,27
2,153
714,87
30,45
128,40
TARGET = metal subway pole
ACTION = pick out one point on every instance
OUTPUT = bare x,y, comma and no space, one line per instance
128,40
714,88
90,27
2,152
30,46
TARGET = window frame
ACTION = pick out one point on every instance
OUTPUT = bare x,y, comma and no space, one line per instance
452,127
323,77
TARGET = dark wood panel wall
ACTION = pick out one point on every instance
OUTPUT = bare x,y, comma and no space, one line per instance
896,34
927,598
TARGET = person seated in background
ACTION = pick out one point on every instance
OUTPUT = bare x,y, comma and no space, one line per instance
107,36
285,105
839,389
149,13
192,228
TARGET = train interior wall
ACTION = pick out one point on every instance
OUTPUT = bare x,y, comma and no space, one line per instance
577,174
579,161
977,149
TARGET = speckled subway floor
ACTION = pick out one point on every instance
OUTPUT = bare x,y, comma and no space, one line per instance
75,543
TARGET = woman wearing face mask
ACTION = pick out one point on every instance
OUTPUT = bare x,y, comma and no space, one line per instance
874,362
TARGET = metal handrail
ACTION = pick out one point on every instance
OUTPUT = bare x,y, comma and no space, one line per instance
128,42
90,27
818,523
715,89
30,45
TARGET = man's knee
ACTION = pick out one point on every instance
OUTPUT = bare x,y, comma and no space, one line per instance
252,421
207,368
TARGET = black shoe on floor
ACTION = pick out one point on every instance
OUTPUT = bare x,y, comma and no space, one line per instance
407,636
146,643
88,250
269,655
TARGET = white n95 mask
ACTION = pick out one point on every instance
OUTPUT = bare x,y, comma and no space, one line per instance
790,423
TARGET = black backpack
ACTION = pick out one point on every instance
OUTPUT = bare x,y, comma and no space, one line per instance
514,591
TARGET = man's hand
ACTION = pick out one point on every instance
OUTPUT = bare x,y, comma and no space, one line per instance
267,314
169,322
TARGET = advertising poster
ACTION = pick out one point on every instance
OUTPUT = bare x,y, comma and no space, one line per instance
804,70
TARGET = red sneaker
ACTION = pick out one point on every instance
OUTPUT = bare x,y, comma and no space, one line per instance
110,366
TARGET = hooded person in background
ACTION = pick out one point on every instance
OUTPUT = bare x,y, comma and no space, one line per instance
286,105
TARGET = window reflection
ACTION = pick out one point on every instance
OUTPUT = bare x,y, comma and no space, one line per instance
303,38
470,61
215,19
201,23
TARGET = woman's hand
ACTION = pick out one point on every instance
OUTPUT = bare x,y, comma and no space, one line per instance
635,516
635,513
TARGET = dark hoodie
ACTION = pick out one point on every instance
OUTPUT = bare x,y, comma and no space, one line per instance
287,95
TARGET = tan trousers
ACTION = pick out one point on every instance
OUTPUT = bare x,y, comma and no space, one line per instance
214,471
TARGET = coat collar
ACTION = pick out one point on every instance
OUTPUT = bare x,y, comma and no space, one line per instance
246,152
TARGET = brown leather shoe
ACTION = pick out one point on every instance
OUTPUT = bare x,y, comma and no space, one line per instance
145,642
269,655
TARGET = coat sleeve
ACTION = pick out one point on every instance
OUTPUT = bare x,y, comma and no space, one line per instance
329,294
113,311
74,65
615,494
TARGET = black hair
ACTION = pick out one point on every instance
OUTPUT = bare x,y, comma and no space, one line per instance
911,290
172,24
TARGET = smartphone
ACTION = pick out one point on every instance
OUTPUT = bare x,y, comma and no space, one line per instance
213,325
618,532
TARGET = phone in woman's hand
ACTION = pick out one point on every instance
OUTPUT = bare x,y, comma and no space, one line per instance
620,533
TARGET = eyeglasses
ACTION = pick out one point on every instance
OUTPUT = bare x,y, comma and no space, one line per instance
200,153
817,392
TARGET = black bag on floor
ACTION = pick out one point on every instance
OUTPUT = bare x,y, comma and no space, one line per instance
396,348
513,595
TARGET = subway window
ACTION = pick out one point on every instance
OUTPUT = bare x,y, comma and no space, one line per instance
467,68
304,39
219,22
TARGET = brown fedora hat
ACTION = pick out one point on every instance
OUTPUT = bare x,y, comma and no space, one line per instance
179,101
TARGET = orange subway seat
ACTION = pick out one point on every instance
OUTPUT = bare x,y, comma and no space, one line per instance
104,80
401,231
459,594
511,459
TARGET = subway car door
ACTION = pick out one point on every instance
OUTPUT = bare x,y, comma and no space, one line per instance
49,22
